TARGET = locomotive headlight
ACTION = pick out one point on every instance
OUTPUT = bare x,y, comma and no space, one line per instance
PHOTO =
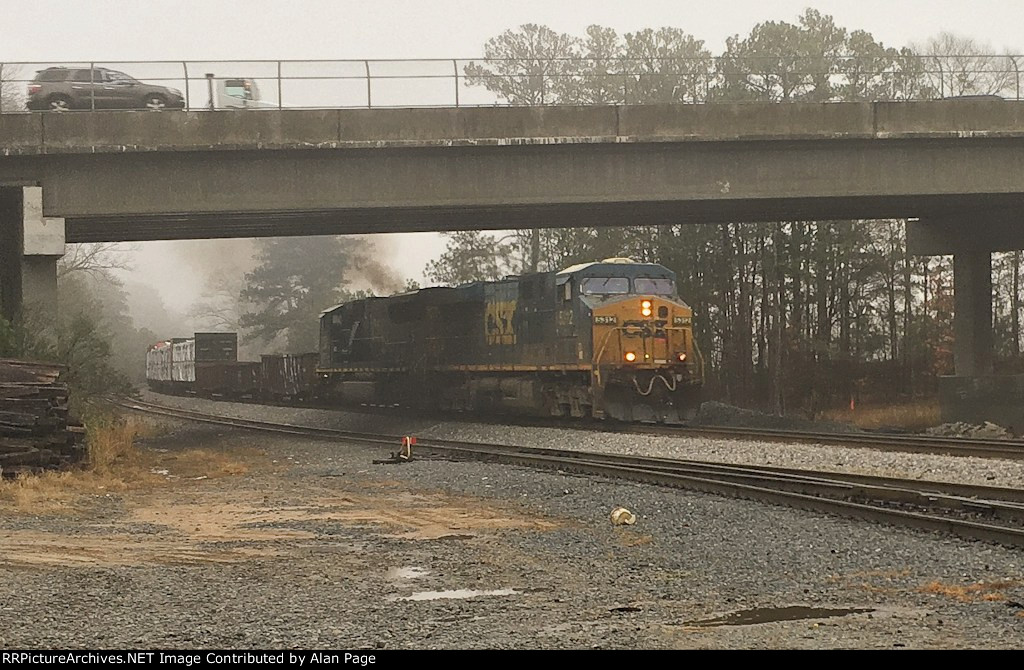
630,356
645,308
681,356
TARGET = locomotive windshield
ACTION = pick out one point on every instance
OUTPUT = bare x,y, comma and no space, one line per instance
604,285
644,285
620,286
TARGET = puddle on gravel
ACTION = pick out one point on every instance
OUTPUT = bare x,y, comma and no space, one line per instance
456,594
772,614
406,573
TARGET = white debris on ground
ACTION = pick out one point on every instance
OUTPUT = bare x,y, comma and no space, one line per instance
961,429
622,517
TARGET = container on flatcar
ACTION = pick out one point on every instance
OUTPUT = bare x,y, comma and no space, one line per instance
183,360
216,355
176,365
158,365
216,347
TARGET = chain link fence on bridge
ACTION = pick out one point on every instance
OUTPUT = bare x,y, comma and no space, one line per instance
284,84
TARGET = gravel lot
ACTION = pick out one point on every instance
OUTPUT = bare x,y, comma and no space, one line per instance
244,540
989,472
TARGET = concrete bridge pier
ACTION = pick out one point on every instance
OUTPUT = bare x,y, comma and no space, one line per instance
976,392
30,246
972,312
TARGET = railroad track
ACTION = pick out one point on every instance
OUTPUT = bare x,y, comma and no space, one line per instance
992,514
918,444
1010,449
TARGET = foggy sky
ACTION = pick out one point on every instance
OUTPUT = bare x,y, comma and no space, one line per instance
271,29
125,30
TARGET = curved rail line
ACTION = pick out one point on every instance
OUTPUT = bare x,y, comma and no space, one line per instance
918,444
1010,449
966,510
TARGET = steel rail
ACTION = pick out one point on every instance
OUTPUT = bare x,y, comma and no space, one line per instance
1005,448
946,488
934,506
949,446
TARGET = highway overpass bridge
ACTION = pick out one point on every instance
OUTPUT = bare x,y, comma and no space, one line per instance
120,176
955,165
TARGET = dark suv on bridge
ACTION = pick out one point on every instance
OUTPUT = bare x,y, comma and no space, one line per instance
59,89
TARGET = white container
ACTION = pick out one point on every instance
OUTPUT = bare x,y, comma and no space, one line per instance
183,361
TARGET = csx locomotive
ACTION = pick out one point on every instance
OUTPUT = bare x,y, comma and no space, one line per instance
606,340
610,339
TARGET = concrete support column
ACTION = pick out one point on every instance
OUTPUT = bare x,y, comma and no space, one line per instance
39,285
11,231
972,317
30,246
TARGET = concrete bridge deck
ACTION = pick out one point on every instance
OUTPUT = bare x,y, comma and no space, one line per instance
141,175
119,132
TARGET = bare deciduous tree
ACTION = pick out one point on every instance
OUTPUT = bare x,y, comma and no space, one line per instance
12,97
94,259
219,307
958,65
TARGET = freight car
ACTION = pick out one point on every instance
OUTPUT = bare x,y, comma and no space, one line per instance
289,377
201,363
207,364
606,339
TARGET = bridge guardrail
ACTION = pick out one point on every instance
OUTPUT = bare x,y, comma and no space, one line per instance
334,84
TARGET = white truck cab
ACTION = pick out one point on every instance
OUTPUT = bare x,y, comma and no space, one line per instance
238,93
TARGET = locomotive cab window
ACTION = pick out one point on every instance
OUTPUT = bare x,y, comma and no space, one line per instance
646,285
604,286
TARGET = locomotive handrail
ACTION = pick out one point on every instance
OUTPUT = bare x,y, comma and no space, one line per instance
595,363
700,356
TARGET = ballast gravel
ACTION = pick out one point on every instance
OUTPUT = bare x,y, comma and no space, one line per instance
314,546
960,469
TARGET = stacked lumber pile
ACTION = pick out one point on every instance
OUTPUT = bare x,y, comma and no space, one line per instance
35,430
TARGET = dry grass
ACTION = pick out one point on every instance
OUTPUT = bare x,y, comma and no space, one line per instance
969,593
114,464
111,444
202,463
911,416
